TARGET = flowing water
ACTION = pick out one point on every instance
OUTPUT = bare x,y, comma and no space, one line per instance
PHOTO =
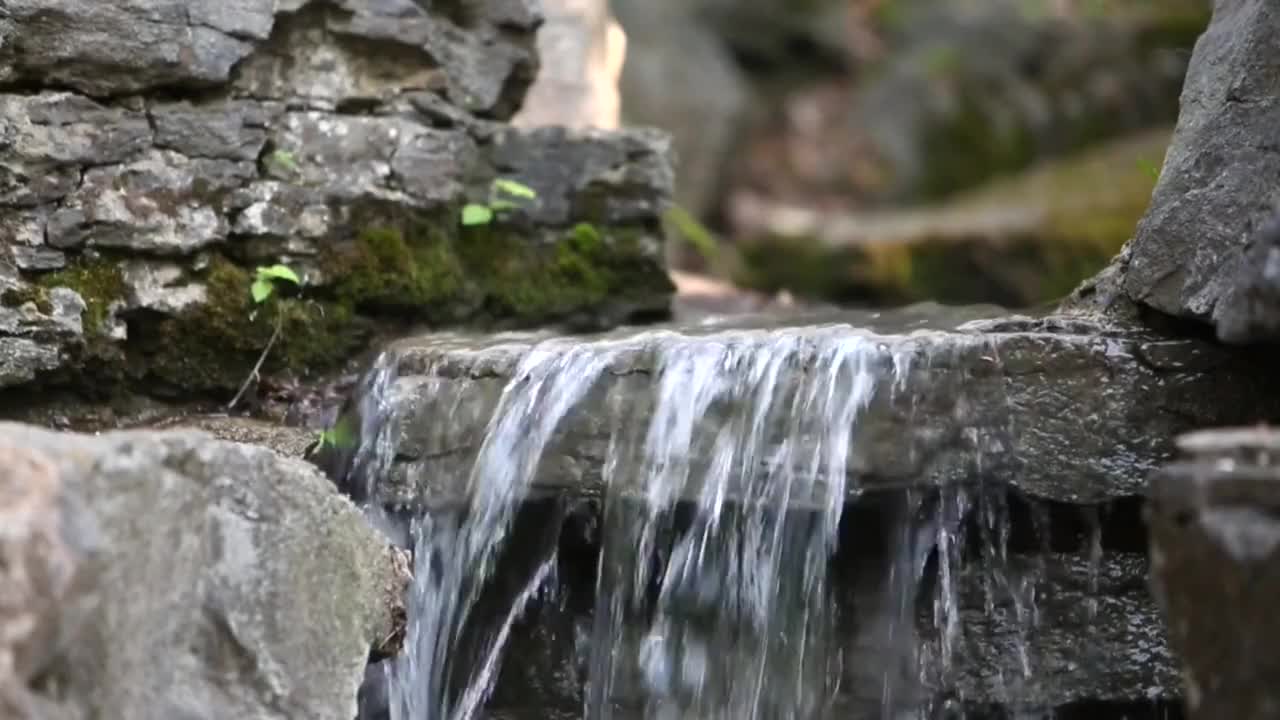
725,492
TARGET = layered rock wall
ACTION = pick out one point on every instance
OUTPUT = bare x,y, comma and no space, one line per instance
154,153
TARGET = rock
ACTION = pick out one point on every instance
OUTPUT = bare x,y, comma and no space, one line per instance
170,574
1187,258
103,50
582,49
1019,242
1214,550
1250,308
1031,653
153,155
1061,408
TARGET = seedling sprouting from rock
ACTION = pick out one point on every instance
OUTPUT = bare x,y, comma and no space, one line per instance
262,289
284,160
503,195
264,281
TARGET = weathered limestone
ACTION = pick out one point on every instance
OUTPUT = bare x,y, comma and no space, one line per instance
1215,551
168,574
156,152
1191,255
1061,409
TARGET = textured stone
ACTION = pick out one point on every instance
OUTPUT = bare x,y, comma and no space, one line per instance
1030,651
1215,551
1250,308
234,130
162,203
608,178
154,153
1214,189
1062,409
105,49
212,579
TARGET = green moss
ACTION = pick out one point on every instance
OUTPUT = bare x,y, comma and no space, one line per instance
99,284
429,268
16,297
388,268
213,347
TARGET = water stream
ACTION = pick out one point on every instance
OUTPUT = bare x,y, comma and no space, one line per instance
726,488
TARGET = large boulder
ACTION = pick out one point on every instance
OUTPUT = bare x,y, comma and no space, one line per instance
1202,251
169,574
160,151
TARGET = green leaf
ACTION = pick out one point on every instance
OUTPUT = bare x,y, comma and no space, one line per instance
693,232
278,272
1150,168
500,205
261,289
284,159
514,189
339,437
473,214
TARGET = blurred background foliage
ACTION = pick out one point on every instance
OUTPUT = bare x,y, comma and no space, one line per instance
873,152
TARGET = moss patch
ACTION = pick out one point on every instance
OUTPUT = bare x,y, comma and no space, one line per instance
213,347
426,267
99,284
16,297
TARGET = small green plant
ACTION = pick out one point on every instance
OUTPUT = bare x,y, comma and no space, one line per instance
262,289
284,160
693,232
338,437
503,195
264,281
1150,168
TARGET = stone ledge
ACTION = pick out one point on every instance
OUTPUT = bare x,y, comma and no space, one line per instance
1060,408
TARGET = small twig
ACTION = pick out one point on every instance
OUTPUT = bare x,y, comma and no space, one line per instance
253,374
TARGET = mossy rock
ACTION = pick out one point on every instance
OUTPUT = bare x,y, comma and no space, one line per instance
428,267
1019,242
394,268
213,347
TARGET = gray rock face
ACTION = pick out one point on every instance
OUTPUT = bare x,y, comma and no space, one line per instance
1188,258
152,150
1215,544
1031,651
168,574
1059,408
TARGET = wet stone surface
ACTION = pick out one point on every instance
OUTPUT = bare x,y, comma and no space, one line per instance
1215,547
1060,408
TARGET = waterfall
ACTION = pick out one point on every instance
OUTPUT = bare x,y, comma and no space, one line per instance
727,471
